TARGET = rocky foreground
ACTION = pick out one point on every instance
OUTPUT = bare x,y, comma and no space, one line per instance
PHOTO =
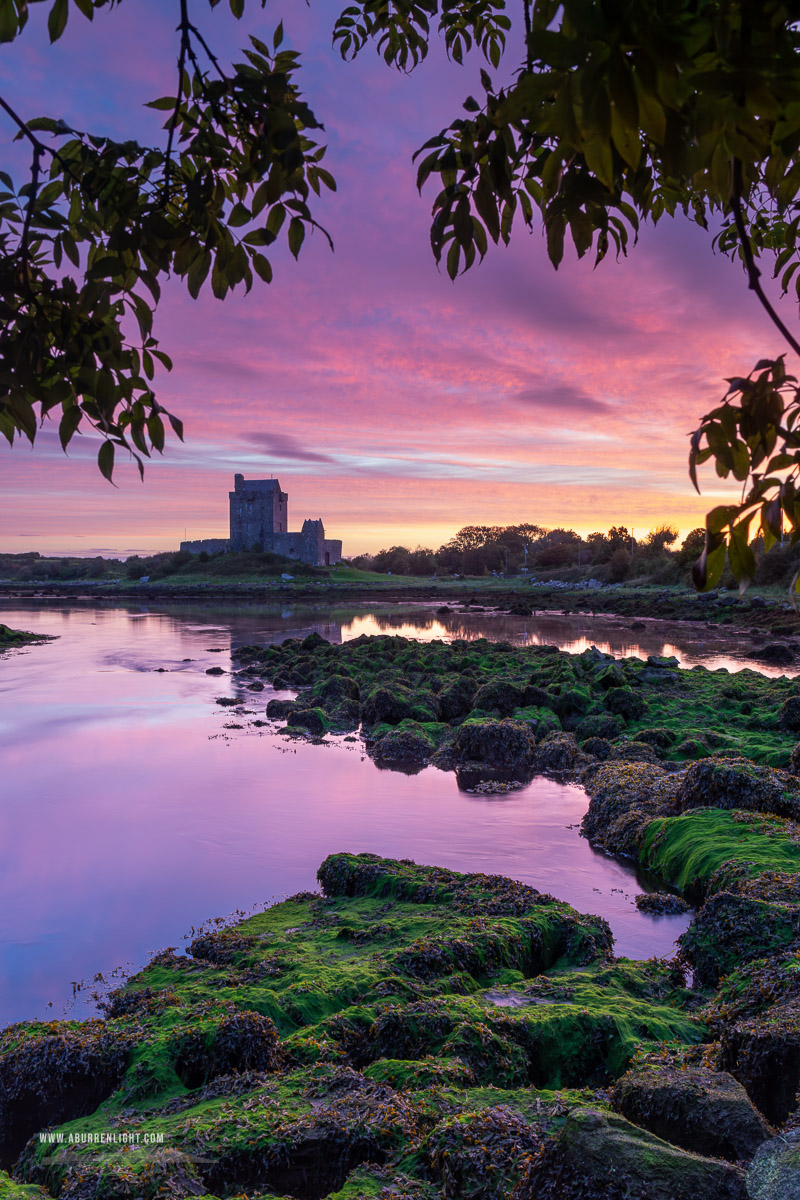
412,1032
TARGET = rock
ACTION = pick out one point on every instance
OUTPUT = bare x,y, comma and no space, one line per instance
660,903
601,725
385,705
403,746
53,1077
457,698
790,714
795,759
739,783
609,676
637,625
658,660
624,702
215,671
278,710
732,929
243,1041
774,1173
775,653
634,752
336,687
601,1156
701,1110
312,719
499,743
661,739
557,752
758,602
624,799
596,746
499,696
763,1052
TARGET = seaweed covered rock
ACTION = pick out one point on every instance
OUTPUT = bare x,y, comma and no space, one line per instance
498,696
456,1153
600,724
334,688
278,710
763,1052
240,1041
596,746
661,903
733,928
53,1073
624,798
403,747
408,1028
505,743
625,702
789,717
739,783
774,1173
384,705
311,719
601,1156
692,1107
558,752
457,698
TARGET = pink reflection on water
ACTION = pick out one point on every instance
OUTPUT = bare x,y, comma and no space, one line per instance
129,813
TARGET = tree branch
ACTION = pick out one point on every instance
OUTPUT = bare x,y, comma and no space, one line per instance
184,28
526,7
753,273
36,166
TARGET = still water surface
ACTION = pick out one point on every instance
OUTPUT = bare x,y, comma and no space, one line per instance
129,813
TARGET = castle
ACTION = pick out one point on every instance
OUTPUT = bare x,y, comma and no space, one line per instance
260,519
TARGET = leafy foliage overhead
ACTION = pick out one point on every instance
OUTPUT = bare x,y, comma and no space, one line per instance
86,242
618,112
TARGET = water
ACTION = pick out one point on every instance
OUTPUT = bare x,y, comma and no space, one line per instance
130,813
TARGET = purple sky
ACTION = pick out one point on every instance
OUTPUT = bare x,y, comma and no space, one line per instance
393,403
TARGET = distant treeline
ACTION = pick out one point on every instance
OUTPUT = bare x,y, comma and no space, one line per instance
33,566
614,556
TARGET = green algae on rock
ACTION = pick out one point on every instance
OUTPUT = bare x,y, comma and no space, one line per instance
11,638
411,1029
650,711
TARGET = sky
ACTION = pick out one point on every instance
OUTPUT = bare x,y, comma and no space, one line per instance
394,404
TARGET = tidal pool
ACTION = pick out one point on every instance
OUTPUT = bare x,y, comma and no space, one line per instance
129,813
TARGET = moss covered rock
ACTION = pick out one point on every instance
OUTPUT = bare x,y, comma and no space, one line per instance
692,1107
601,1156
505,743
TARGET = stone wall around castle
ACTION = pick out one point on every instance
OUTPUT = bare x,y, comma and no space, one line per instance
206,546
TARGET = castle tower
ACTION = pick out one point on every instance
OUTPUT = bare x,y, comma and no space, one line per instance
259,509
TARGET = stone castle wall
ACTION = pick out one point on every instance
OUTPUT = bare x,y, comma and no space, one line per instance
259,517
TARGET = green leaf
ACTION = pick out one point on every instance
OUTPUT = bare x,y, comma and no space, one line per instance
554,229
741,558
278,38
262,267
57,20
237,7
164,104
68,424
105,460
297,233
176,424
